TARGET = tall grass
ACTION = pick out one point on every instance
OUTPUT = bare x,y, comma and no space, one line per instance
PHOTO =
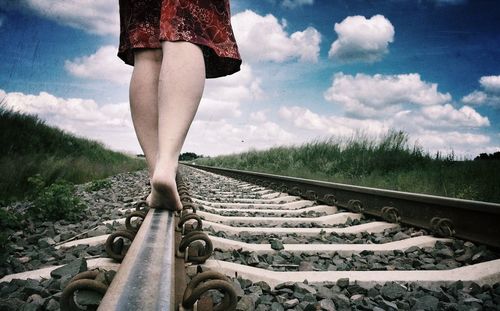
389,163
30,147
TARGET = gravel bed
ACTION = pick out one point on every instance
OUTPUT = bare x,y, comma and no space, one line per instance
203,186
349,222
343,297
204,195
388,235
45,294
441,257
34,246
309,214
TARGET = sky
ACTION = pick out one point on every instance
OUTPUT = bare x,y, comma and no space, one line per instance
312,70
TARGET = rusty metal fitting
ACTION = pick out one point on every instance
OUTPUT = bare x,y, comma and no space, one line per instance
204,253
330,199
128,221
141,205
442,227
82,281
186,199
187,217
283,188
391,214
311,195
186,207
296,191
117,249
210,280
182,187
356,206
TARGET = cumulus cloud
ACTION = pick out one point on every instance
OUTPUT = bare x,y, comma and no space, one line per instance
263,38
322,125
102,65
216,110
243,85
488,95
447,115
366,96
361,39
110,123
93,16
258,116
224,136
309,125
475,98
292,4
490,84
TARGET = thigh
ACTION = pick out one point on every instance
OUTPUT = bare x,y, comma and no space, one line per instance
139,27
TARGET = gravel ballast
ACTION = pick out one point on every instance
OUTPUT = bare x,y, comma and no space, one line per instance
441,257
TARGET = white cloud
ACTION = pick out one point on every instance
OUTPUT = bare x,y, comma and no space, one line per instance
462,144
447,115
258,116
102,65
475,98
361,39
308,125
223,137
109,123
321,125
93,16
490,84
489,95
379,95
243,85
292,4
263,38
216,110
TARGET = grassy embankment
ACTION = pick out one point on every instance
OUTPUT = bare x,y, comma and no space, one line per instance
390,163
29,147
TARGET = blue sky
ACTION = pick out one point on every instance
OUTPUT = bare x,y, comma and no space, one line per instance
311,70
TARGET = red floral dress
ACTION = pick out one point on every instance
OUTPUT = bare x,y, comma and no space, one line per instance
207,23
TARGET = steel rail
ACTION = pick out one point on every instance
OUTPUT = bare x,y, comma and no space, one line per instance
471,220
145,280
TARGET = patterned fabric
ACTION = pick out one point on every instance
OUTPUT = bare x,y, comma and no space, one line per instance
207,23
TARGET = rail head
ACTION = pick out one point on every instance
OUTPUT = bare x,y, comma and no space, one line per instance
145,280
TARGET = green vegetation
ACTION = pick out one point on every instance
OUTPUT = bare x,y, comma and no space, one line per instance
54,202
188,156
99,184
29,147
389,163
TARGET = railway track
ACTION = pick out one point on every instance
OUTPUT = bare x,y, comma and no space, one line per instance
250,241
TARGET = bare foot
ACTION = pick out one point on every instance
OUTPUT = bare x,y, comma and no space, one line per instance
164,193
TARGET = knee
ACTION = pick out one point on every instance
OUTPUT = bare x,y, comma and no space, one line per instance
148,55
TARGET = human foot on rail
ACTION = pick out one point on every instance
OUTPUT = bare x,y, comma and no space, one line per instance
164,193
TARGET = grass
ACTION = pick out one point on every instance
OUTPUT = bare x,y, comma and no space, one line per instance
30,147
389,163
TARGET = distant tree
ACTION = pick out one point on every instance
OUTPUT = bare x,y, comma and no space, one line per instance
188,156
488,156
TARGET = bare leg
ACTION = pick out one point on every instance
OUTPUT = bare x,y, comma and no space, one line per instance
181,83
144,101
